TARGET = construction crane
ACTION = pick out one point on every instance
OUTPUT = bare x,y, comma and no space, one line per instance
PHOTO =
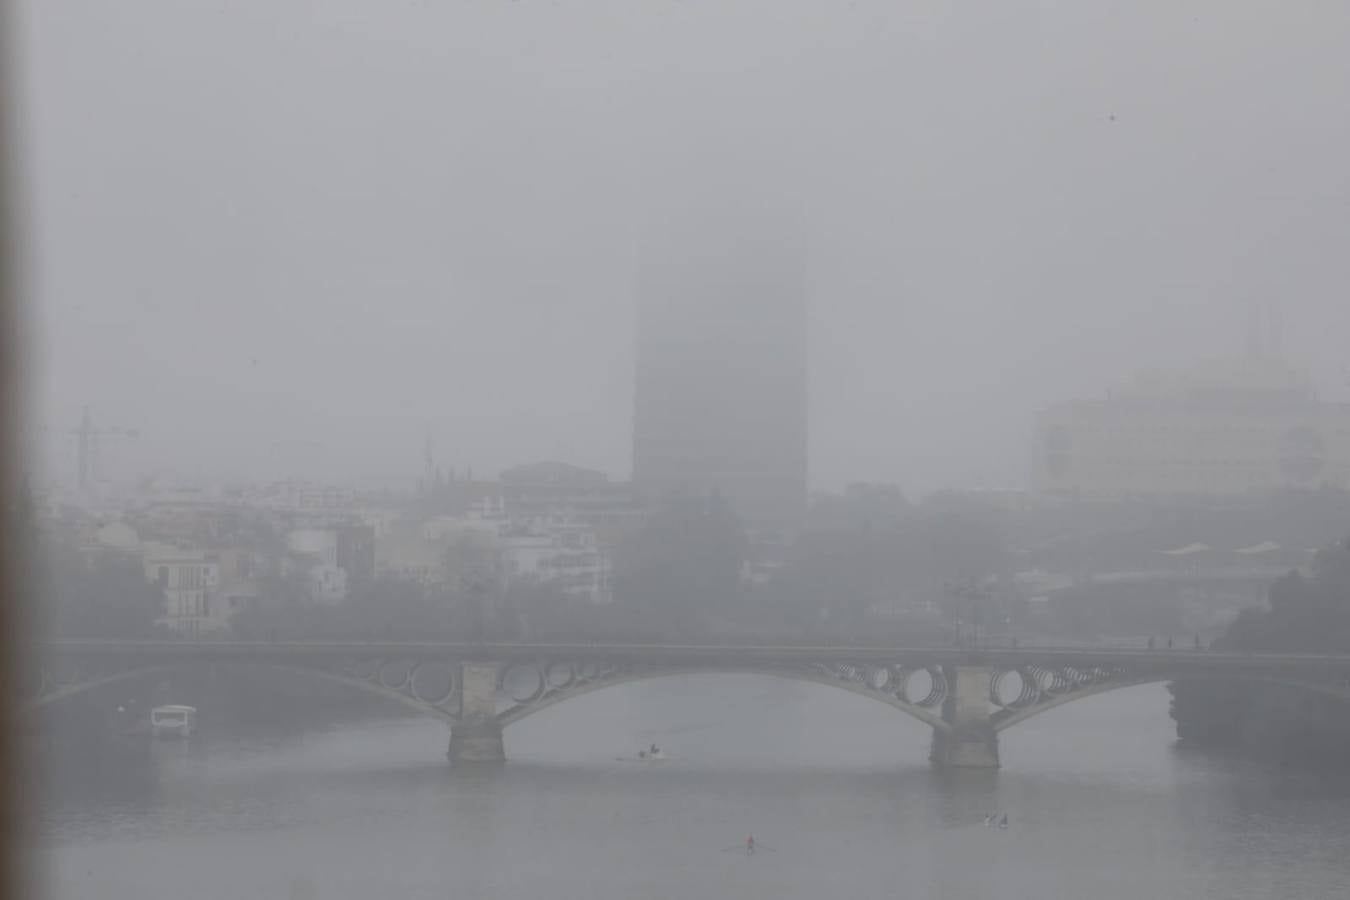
87,439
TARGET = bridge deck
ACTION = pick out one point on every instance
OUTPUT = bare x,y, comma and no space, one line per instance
711,655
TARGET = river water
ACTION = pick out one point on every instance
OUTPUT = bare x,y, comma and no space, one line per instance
1101,805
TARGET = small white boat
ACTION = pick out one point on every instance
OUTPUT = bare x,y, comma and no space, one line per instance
173,721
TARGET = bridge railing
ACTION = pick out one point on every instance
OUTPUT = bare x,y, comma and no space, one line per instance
1183,657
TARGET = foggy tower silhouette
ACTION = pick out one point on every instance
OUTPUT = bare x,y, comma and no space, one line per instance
721,383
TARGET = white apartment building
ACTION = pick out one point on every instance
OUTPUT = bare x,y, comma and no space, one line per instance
190,580
557,550
299,496
315,554
440,550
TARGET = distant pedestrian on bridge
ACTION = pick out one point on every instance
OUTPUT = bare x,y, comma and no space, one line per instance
1150,643
1169,643
1197,642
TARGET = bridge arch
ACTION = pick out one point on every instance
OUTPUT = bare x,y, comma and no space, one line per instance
473,689
54,690
886,685
1012,715
927,711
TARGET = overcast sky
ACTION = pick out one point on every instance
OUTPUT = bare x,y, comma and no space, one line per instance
289,237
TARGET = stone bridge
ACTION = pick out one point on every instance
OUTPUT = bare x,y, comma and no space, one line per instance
966,696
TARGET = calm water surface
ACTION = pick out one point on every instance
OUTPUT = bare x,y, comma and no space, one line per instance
1101,805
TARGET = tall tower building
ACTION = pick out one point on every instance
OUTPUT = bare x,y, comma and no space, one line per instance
721,390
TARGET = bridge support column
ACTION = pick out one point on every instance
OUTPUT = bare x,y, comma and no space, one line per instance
477,735
972,741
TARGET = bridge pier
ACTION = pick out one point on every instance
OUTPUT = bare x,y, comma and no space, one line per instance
972,741
477,735
476,742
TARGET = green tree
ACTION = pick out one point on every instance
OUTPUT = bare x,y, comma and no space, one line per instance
100,595
385,608
1306,614
868,549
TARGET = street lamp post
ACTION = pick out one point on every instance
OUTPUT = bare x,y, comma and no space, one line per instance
975,617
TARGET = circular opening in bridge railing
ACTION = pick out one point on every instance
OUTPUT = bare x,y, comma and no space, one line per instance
1074,678
1051,681
850,672
433,683
559,674
523,683
1007,688
879,678
395,674
1099,675
919,687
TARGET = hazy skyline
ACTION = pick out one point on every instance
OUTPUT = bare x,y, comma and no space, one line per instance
291,238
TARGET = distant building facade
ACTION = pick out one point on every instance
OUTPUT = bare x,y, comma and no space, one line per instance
489,547
190,580
720,388
299,497
560,551
552,489
1235,427
311,557
355,552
